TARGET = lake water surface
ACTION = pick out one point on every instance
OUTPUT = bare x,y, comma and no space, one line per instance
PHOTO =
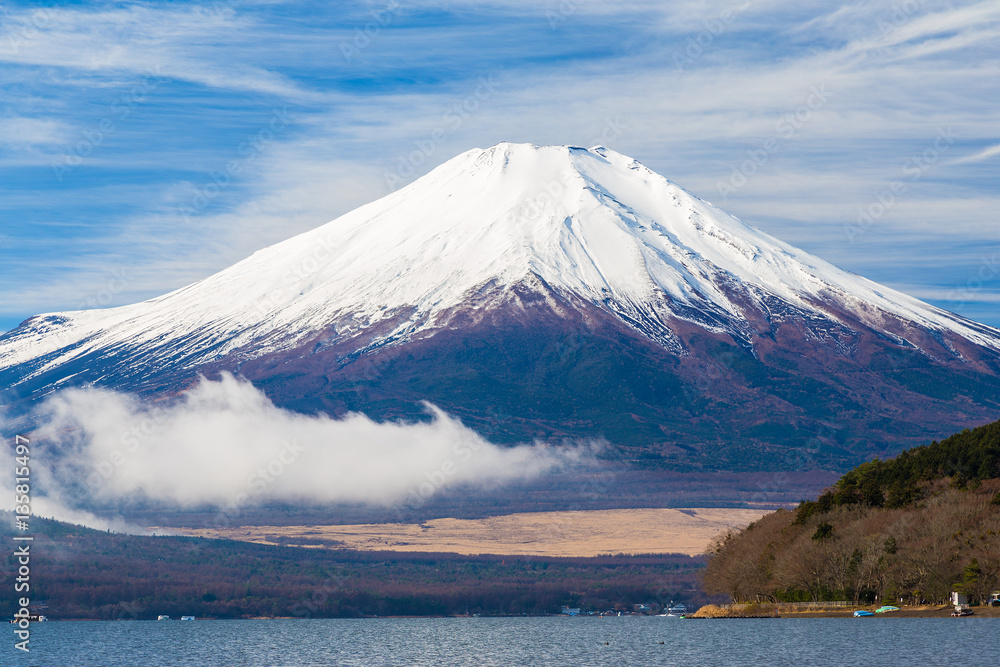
513,641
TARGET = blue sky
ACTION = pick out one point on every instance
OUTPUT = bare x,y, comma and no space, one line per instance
146,145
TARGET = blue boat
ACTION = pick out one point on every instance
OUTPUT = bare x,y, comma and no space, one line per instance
860,614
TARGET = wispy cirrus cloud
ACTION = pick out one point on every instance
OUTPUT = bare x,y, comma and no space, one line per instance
110,42
978,156
23,134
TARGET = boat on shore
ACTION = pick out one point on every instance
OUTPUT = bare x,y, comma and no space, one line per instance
32,618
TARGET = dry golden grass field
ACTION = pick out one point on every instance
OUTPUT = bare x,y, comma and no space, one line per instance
576,534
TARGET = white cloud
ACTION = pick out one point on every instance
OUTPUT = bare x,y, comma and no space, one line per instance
224,443
979,156
25,133
192,44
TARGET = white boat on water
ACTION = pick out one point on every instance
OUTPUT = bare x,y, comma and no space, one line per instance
163,617
675,610
187,618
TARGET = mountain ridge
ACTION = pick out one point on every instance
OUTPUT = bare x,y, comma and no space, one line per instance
540,234
532,245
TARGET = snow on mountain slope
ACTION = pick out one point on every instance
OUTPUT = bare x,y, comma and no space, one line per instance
593,224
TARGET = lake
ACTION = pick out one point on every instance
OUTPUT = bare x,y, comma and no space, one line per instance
513,641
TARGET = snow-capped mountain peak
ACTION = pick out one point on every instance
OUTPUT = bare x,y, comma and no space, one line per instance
593,225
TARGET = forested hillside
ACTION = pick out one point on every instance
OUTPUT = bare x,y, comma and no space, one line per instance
912,528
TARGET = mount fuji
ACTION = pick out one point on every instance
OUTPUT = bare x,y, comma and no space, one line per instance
551,292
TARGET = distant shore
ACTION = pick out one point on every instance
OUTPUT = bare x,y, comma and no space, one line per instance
789,611
904,612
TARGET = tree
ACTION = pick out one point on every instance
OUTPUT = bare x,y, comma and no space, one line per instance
823,531
971,581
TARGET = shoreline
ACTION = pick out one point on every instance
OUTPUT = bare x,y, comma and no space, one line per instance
783,611
922,611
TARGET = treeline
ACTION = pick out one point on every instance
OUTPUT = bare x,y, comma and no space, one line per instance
913,528
966,458
82,573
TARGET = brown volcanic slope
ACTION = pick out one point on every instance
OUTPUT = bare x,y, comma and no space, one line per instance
791,391
577,534
803,392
